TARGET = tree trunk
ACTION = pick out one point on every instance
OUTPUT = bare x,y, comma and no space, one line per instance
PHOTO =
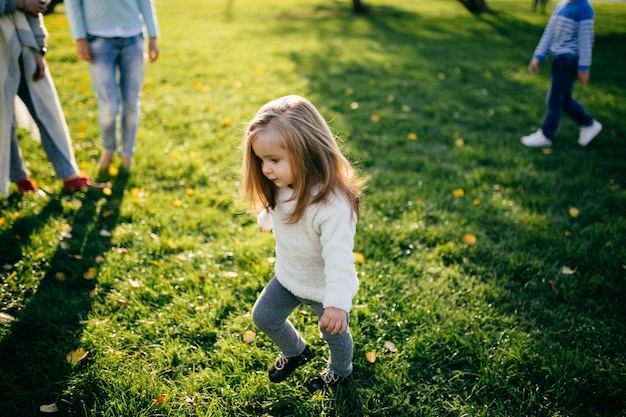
358,7
476,6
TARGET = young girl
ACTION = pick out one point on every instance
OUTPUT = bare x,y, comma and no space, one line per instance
294,171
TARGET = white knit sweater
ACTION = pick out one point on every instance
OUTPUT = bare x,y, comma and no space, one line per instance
314,257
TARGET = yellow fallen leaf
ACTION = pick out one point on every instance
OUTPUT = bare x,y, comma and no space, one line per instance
107,213
93,292
441,76
411,136
60,276
568,233
476,201
249,336
574,212
469,239
359,258
90,274
375,118
76,356
371,356
459,142
458,192
177,203
190,191
160,399
546,151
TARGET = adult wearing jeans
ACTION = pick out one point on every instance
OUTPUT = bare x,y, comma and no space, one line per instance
109,35
24,73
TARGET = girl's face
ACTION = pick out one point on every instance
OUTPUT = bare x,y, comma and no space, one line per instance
275,161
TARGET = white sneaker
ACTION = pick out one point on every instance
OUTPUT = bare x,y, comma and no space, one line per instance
536,140
588,133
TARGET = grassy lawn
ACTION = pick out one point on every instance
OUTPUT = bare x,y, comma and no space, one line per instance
492,275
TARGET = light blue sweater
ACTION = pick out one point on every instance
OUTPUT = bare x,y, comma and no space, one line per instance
569,32
92,15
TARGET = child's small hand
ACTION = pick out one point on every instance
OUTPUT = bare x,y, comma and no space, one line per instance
334,320
533,67
583,76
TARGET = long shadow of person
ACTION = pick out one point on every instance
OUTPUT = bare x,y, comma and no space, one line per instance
35,364
15,238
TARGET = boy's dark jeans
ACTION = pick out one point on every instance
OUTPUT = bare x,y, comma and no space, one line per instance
564,74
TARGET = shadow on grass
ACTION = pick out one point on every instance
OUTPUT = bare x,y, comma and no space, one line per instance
34,368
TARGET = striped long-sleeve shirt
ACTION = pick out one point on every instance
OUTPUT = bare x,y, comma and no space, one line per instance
569,32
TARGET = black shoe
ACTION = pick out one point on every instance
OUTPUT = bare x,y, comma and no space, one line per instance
326,379
284,366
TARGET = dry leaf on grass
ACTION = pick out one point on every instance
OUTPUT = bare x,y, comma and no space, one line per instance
249,336
76,356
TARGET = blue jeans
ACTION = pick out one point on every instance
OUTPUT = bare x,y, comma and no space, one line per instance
270,313
564,74
117,76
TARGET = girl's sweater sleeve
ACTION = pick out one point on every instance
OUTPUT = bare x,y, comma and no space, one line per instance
264,220
337,227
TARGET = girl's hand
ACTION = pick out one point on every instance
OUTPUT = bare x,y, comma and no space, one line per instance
334,320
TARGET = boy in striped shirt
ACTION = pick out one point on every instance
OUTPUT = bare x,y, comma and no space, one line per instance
568,37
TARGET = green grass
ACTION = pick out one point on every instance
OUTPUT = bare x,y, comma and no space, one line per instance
490,329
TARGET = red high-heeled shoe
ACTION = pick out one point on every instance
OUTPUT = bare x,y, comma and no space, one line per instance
26,185
80,183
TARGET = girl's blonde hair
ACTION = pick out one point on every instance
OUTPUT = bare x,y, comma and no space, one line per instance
318,165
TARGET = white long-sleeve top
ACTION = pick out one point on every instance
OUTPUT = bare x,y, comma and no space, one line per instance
314,257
